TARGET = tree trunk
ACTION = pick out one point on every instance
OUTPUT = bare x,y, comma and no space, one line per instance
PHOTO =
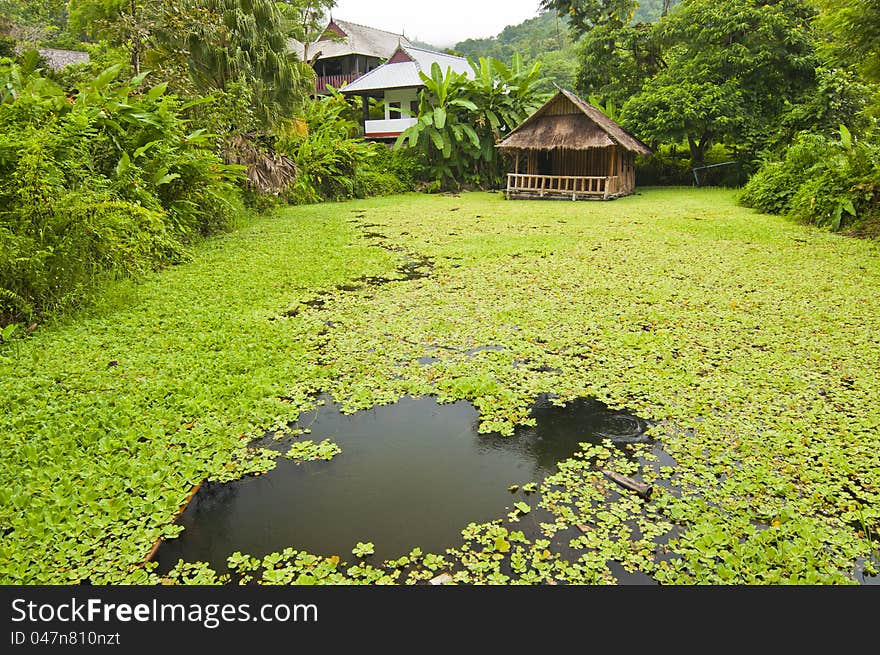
135,40
698,148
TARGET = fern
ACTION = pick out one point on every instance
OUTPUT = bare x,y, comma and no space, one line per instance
114,181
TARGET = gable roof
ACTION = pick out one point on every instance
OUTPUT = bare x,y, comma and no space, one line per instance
341,38
403,68
566,121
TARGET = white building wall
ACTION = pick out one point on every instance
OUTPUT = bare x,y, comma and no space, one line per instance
394,123
404,96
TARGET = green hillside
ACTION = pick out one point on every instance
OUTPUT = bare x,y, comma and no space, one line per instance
548,39
651,10
545,37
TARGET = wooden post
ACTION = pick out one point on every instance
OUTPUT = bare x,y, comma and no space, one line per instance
642,489
628,190
632,173
609,184
366,100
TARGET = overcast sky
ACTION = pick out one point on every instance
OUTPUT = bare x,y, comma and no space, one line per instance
439,22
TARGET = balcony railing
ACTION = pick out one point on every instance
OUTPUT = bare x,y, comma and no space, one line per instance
560,186
387,129
336,81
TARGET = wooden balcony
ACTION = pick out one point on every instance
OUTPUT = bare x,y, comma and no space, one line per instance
336,81
562,187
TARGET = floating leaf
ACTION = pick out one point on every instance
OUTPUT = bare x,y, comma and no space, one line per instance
364,549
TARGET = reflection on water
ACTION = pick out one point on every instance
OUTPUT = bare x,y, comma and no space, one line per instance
410,474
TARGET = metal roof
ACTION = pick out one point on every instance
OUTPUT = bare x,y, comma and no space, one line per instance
405,74
358,40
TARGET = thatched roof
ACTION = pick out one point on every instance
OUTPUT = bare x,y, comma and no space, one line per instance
568,122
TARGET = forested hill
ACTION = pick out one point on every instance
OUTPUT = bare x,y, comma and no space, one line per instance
649,11
546,38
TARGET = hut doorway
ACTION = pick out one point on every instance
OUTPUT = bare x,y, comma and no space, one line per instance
545,163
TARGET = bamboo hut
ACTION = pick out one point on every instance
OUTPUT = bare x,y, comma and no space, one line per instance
568,149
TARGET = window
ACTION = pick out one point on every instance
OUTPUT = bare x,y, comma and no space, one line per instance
394,109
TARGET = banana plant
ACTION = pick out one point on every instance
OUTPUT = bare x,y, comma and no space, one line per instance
443,129
462,118
846,154
608,107
505,97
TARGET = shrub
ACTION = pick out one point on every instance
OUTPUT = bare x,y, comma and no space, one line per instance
107,180
775,184
667,166
332,161
828,182
7,46
370,181
387,172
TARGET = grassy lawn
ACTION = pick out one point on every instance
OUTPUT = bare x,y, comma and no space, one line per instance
752,343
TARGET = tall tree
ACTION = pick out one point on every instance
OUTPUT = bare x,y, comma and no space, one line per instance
240,42
584,15
126,23
207,45
732,68
615,61
306,20
854,30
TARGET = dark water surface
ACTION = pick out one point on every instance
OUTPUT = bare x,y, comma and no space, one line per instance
410,474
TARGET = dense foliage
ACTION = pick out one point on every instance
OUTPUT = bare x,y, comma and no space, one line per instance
585,15
852,33
824,181
615,61
333,162
111,179
36,22
825,166
728,70
241,41
187,109
462,118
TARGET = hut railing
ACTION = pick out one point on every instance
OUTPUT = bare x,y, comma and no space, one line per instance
563,185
